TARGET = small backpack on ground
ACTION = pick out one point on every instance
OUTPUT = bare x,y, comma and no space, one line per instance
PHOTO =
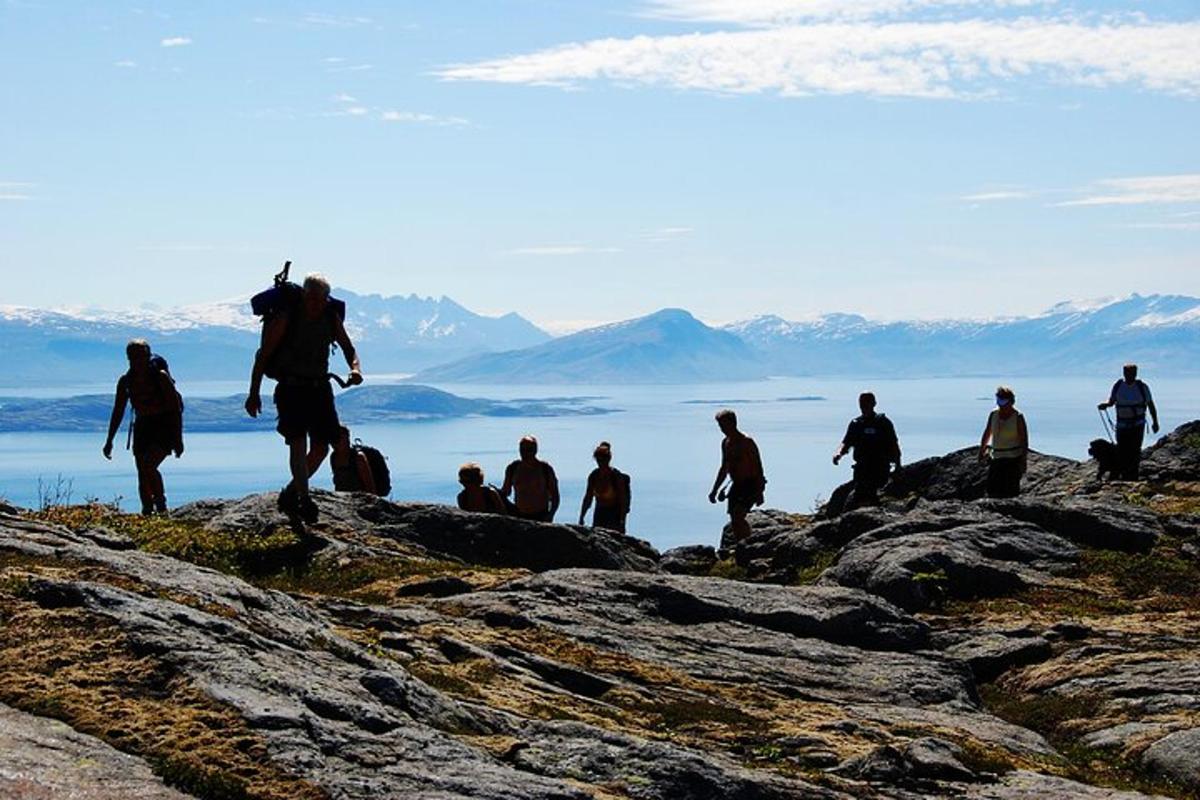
377,461
284,297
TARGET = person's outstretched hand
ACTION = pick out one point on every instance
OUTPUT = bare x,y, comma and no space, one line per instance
1154,427
712,497
1102,406
108,450
254,405
178,449
581,522
837,457
355,378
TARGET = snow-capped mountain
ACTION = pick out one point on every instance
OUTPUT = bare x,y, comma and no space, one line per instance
1160,332
217,340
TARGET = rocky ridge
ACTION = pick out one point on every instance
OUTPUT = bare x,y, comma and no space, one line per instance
941,645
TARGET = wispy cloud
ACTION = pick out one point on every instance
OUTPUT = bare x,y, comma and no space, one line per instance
12,191
343,97
419,118
320,20
338,67
988,197
1166,226
562,250
667,233
125,63
794,48
175,41
782,12
1147,190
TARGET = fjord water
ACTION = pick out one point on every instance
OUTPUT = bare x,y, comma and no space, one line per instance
664,436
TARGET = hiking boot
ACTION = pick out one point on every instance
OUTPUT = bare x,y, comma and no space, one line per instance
288,502
160,505
308,510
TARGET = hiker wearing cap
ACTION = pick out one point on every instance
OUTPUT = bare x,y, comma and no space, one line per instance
158,420
295,344
532,483
609,487
1132,398
1005,446
872,437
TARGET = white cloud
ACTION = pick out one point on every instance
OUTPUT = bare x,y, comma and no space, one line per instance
1166,226
125,63
987,197
562,250
13,191
961,58
419,118
175,41
333,20
782,12
342,97
351,68
1151,189
333,60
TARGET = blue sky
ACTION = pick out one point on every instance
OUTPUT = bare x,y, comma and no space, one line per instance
583,161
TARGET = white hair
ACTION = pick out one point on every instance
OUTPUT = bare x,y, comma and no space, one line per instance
315,280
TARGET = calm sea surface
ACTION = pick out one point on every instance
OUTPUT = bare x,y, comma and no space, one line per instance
664,437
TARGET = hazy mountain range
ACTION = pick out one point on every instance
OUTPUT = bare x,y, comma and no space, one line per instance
443,342
218,340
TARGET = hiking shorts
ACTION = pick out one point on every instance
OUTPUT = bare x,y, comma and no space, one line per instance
742,497
154,433
611,517
306,410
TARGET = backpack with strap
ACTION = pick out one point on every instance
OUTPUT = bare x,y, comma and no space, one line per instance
1139,413
377,461
285,297
623,481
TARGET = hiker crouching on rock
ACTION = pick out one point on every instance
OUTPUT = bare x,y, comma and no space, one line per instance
350,467
1132,399
534,483
740,461
610,489
1009,450
872,437
297,342
475,496
157,425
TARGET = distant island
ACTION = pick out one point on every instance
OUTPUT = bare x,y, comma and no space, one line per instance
365,404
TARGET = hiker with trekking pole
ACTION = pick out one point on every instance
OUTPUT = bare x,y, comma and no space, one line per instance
301,324
1133,399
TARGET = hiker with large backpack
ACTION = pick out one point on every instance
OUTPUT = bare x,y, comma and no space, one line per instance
157,428
609,487
300,326
876,448
1132,398
532,483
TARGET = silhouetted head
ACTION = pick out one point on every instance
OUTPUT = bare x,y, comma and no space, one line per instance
470,474
603,454
727,420
866,403
316,294
527,447
138,353
1005,397
1130,371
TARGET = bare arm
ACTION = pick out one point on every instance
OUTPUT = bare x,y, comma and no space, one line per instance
1153,413
587,501
987,437
722,473
552,489
118,413
271,339
343,340
509,474
365,477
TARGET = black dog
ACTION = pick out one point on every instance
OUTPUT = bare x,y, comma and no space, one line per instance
1107,456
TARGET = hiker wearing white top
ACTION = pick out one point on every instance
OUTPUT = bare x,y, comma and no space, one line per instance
1005,446
1132,399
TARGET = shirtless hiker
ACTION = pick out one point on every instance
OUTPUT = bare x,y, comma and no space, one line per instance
534,483
740,460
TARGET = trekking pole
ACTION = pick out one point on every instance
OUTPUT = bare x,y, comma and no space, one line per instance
1108,424
282,276
338,380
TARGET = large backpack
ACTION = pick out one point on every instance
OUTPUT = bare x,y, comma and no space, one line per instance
626,486
285,297
158,364
379,468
